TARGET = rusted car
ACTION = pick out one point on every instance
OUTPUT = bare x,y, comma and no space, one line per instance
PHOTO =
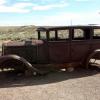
59,47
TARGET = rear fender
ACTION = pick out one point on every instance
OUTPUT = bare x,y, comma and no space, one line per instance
91,55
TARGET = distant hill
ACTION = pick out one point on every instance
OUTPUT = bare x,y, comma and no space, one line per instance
17,29
17,32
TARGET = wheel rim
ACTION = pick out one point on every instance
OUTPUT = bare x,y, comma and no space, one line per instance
93,62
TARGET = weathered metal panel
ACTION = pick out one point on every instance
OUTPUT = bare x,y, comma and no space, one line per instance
28,52
31,53
42,53
59,52
79,50
95,44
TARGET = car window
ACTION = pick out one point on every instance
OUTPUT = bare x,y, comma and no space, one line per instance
63,34
43,35
96,33
78,34
52,35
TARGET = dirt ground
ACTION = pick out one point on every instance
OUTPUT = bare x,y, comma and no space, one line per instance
80,84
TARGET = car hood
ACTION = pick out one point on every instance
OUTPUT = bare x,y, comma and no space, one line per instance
23,43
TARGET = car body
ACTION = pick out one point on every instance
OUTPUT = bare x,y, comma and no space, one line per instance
58,45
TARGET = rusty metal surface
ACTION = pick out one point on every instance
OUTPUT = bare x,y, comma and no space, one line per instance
23,43
14,61
79,50
26,50
61,51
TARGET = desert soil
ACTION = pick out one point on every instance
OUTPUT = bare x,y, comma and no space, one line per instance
80,84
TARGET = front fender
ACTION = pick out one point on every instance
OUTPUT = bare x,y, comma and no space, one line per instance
28,66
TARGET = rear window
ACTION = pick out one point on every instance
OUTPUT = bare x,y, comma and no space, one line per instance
78,34
96,33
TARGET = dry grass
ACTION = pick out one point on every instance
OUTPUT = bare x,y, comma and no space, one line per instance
17,32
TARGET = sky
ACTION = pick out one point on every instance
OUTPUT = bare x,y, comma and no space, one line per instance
49,12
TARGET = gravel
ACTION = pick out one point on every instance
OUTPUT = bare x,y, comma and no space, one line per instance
80,84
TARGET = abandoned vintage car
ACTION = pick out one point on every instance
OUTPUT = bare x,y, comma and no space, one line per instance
59,47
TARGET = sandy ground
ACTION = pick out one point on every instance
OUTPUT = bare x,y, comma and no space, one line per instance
81,84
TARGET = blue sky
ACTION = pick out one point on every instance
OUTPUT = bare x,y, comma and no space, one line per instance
49,12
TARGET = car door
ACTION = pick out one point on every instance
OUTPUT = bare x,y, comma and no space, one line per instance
42,48
80,44
59,46
95,43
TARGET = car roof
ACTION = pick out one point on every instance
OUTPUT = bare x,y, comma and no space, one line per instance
48,28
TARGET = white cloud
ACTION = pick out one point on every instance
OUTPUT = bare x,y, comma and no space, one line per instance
2,2
60,19
12,9
22,6
24,0
18,7
82,0
68,18
48,7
